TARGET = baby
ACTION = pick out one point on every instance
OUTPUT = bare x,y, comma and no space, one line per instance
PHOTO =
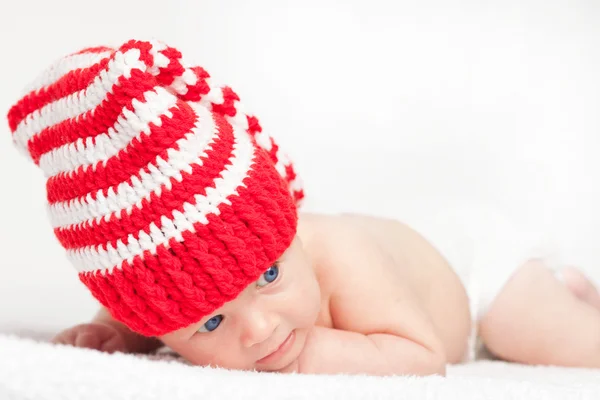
181,216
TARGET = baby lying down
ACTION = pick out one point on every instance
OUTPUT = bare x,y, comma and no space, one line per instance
181,217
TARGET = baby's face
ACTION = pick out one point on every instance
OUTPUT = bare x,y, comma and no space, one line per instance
275,312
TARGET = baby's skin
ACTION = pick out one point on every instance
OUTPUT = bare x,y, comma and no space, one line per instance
357,294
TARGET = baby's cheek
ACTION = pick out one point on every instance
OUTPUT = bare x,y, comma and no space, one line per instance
216,356
309,297
195,354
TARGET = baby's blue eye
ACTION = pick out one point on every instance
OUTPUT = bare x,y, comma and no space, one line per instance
269,276
211,324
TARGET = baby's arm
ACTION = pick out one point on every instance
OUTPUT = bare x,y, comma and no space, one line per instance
104,333
335,351
379,326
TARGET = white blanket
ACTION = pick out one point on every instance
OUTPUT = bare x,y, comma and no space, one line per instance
34,369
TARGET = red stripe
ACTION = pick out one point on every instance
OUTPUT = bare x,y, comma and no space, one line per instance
290,174
200,88
97,120
253,125
174,69
128,162
72,82
227,107
273,151
298,195
159,205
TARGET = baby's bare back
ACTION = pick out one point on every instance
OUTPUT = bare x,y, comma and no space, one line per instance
414,263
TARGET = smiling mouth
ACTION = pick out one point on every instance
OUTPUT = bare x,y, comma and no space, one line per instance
281,350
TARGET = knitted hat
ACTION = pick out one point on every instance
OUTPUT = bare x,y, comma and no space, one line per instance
168,198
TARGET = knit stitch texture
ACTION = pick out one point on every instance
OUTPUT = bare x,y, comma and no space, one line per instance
167,196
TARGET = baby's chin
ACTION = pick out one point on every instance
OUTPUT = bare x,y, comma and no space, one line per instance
291,355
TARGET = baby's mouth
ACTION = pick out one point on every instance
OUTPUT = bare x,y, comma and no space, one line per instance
281,350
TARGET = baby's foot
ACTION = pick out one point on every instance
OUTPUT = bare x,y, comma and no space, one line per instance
580,286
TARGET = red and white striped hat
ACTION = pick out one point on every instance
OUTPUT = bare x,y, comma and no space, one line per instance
168,198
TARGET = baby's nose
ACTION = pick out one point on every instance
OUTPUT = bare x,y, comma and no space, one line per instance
258,326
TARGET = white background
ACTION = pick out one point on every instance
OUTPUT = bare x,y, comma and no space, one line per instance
387,107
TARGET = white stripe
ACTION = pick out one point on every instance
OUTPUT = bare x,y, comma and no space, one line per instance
189,151
62,67
180,83
96,258
129,125
282,162
264,140
159,59
214,96
239,119
79,102
296,185
189,77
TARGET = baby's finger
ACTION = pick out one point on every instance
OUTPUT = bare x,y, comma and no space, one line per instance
65,338
115,343
59,340
87,340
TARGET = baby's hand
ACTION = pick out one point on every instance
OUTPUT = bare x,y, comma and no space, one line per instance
290,369
96,336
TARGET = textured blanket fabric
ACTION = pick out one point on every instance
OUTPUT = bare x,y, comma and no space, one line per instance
33,369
